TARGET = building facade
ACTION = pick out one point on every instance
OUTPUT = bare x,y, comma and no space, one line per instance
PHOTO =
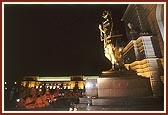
144,52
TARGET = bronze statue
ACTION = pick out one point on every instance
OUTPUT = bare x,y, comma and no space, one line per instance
112,51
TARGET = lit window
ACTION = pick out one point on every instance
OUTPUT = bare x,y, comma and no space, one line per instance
54,87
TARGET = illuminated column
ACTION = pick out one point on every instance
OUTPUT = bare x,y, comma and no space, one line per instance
149,64
156,84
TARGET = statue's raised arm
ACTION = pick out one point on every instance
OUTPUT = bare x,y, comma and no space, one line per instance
106,25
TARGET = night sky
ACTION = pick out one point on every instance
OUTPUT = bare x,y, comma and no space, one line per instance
56,40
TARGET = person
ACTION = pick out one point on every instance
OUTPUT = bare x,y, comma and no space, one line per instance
39,102
56,93
21,102
33,91
48,94
44,100
12,94
29,103
133,33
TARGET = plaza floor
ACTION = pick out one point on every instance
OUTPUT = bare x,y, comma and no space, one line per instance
64,105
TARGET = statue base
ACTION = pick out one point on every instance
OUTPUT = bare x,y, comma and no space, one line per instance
116,73
123,84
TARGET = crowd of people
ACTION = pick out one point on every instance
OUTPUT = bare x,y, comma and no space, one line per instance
31,98
36,98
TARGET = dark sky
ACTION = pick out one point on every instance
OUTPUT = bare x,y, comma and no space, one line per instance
53,40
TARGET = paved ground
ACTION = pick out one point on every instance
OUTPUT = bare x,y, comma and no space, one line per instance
64,104
86,107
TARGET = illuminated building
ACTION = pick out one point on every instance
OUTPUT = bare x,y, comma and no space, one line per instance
145,51
60,82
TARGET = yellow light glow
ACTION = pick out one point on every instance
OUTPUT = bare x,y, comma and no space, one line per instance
53,78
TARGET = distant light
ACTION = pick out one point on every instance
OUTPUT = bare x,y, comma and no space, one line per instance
15,82
17,100
51,87
62,78
6,88
96,85
54,87
36,87
88,85
5,82
40,86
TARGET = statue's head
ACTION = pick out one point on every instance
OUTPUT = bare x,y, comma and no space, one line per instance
105,14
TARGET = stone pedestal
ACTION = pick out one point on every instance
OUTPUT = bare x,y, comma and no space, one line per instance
91,88
123,84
